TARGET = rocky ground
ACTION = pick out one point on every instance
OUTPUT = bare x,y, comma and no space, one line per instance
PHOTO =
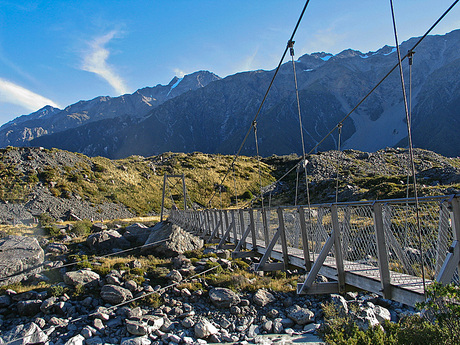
116,308
67,185
73,208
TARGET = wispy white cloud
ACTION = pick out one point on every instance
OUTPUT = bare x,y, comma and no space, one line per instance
95,61
179,73
248,62
15,94
324,40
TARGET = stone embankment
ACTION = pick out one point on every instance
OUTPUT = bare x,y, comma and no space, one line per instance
101,312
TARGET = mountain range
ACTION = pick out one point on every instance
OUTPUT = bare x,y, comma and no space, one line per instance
206,113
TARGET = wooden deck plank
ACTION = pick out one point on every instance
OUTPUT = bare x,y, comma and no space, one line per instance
406,288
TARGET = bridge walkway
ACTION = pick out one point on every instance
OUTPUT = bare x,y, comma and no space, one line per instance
372,245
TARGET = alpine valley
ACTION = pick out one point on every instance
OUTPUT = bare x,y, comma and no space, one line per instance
203,112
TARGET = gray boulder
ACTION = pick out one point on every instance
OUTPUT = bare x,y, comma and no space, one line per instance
106,241
83,277
5,301
144,340
382,314
29,308
364,318
223,298
262,297
301,316
25,334
167,239
174,276
57,248
114,294
76,340
137,233
19,256
340,304
204,328
136,327
47,305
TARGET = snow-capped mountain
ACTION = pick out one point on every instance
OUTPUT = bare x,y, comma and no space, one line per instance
204,113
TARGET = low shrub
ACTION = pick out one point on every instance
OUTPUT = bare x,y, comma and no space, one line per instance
82,228
439,323
52,230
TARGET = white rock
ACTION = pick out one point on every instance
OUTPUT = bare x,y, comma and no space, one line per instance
382,314
76,340
204,328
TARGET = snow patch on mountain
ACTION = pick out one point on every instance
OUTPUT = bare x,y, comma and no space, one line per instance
387,130
175,85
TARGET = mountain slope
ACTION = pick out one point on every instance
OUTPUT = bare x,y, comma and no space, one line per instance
216,117
51,120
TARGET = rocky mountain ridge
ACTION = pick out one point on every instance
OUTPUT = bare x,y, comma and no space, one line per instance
205,113
48,120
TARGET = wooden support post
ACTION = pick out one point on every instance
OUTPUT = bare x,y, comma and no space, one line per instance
235,237
301,288
303,230
226,236
214,232
242,231
239,246
263,262
253,229
163,198
452,261
382,251
265,225
282,231
338,248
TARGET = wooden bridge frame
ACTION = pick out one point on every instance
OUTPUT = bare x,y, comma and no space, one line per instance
267,238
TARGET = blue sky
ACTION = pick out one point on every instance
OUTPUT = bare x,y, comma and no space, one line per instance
60,52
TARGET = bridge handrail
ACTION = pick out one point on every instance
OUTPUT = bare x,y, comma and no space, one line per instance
363,234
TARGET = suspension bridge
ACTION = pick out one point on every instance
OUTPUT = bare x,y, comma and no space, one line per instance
394,248
370,245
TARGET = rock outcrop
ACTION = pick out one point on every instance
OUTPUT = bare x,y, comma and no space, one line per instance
19,255
167,240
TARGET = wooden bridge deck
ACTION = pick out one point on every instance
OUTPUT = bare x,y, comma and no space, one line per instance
358,245
405,288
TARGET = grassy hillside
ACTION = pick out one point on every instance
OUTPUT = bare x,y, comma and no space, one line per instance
137,182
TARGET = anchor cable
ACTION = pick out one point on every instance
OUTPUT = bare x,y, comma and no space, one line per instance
411,149
265,96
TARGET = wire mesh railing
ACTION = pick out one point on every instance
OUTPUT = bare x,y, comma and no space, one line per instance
312,226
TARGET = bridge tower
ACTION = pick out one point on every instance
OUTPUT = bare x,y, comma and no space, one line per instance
184,192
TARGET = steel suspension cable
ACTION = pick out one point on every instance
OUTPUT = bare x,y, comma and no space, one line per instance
254,125
338,166
265,95
296,186
410,111
304,157
234,182
291,49
411,149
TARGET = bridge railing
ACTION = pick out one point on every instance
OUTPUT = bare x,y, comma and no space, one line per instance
379,238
